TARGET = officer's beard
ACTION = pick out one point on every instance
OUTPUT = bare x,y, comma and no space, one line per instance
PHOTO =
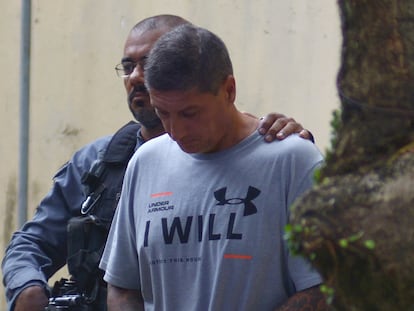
140,106
147,117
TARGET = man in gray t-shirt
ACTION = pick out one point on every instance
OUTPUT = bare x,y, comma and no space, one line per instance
200,222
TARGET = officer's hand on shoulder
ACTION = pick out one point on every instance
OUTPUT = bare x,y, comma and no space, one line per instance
277,126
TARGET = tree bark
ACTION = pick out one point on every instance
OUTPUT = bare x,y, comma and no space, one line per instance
357,223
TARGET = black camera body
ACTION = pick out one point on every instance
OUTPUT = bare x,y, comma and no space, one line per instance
68,303
66,297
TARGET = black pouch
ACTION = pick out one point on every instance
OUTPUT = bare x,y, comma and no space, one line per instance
86,240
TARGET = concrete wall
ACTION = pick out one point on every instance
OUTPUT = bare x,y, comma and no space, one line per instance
285,54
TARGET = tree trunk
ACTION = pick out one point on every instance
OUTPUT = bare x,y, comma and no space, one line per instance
357,223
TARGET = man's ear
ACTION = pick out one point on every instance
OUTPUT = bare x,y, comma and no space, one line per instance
229,86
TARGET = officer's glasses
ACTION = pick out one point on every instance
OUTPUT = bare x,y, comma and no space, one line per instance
125,68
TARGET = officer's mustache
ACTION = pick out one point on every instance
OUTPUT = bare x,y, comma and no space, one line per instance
137,90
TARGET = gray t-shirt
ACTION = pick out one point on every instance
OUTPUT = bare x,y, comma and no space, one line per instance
205,231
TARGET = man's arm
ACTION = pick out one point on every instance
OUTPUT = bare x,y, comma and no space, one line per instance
121,299
310,299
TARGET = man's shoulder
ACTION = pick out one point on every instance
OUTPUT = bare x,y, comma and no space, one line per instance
292,147
158,142
154,149
301,150
295,143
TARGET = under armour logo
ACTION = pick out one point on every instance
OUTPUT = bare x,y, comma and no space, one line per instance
249,207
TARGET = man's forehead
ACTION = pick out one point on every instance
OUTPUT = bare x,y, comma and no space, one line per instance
180,98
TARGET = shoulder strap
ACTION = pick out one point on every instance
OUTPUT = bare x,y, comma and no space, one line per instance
122,145
103,182
117,154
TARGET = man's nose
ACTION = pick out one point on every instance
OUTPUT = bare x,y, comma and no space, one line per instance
176,129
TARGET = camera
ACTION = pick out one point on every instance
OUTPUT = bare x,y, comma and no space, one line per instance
66,297
68,302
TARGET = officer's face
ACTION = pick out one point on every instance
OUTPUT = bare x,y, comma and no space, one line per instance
137,47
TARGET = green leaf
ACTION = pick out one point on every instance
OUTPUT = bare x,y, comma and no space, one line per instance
343,243
370,244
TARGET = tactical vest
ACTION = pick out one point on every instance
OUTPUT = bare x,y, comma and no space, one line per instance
87,233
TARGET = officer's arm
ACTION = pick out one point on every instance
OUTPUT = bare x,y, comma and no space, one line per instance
121,299
38,249
32,298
